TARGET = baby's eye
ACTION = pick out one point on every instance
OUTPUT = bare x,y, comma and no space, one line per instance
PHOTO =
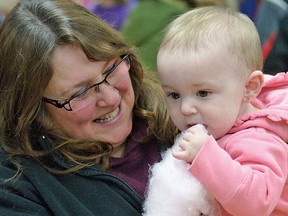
174,95
203,93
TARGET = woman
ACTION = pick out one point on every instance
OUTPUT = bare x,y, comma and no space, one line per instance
80,122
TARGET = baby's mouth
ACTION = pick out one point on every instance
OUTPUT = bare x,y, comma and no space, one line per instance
197,124
108,117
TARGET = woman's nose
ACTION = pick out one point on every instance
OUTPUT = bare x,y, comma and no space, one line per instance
188,107
107,95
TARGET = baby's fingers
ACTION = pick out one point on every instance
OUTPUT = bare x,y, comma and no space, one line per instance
181,155
186,152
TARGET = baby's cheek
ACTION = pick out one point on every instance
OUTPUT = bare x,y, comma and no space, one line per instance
177,121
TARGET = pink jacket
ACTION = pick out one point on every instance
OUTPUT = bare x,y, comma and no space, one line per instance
246,170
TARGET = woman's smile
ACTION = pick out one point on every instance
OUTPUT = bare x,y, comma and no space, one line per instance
108,117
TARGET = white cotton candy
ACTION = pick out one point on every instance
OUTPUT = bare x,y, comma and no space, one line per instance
173,191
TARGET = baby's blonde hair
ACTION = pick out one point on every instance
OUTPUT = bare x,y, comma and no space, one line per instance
223,27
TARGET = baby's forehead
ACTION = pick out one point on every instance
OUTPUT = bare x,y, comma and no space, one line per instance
207,58
184,51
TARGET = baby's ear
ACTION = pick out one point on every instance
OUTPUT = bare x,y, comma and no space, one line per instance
253,86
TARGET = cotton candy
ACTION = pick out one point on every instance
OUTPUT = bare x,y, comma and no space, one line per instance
173,191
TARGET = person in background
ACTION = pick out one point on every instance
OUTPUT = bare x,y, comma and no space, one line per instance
271,23
249,7
209,64
140,22
268,16
114,12
277,59
144,26
81,122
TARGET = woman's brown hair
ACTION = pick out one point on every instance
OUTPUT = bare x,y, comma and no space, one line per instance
28,37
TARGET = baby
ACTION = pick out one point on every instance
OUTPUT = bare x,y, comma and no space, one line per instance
209,64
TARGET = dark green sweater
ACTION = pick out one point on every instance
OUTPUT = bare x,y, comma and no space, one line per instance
145,24
89,192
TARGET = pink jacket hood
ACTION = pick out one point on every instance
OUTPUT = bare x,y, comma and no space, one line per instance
273,107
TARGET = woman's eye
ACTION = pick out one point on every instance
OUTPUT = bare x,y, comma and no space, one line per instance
174,95
203,93
110,70
80,94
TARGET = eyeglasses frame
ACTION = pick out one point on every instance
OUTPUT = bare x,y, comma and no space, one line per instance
59,105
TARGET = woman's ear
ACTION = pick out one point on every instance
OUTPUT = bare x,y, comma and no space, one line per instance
253,86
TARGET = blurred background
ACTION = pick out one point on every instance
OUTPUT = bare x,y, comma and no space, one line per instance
142,23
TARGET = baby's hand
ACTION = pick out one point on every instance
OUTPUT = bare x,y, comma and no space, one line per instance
191,143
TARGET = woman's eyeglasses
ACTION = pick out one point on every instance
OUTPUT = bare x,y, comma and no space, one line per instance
86,96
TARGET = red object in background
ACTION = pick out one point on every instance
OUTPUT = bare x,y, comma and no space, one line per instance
267,46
